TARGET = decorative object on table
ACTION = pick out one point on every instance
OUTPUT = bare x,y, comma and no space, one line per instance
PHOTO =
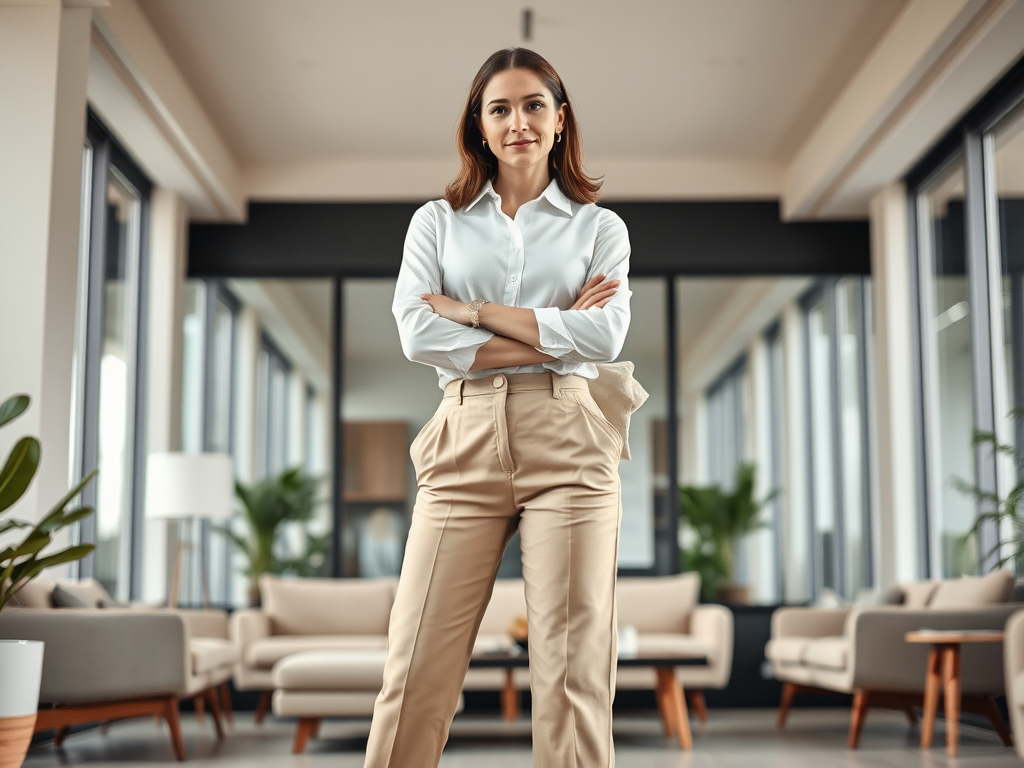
944,672
718,519
618,395
21,661
290,497
185,488
1000,513
519,631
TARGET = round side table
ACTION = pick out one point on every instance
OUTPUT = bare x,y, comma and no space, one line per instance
944,672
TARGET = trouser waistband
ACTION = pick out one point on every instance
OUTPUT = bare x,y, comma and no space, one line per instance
503,383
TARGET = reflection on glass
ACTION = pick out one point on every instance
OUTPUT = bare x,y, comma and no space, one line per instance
117,387
192,368
221,355
773,464
853,442
946,345
273,421
822,444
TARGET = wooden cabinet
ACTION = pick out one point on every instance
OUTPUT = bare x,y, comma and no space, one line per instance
376,457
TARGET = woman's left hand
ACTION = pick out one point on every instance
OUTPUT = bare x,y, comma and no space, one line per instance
449,309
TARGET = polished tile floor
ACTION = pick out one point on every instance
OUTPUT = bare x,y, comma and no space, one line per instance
813,739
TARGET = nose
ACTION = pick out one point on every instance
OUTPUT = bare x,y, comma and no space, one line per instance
520,123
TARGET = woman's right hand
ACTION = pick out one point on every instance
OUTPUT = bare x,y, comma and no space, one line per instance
596,293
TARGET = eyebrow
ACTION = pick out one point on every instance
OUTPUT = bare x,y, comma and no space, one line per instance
505,101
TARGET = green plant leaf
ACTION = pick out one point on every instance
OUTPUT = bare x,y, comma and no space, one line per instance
29,569
13,525
18,471
58,508
12,408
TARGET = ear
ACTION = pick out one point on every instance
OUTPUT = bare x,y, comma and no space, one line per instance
560,122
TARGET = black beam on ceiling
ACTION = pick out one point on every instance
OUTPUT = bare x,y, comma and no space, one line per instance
685,238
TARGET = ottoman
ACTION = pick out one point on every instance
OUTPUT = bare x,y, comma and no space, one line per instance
312,685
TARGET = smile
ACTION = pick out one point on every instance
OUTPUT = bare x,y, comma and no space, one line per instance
520,143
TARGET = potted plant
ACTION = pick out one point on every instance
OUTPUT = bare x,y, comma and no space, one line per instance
21,661
1001,512
290,497
717,519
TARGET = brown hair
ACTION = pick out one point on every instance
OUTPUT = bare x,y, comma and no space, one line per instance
565,161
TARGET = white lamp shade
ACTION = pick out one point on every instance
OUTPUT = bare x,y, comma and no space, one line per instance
184,485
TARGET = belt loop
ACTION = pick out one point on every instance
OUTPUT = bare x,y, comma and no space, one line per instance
458,392
556,386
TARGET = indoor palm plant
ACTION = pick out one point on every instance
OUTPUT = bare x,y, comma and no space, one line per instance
718,519
21,661
1001,512
290,497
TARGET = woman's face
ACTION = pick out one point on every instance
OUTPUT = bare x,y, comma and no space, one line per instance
519,118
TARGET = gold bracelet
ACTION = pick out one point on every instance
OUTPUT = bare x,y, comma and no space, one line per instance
473,310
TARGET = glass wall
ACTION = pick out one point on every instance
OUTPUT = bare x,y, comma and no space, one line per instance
947,357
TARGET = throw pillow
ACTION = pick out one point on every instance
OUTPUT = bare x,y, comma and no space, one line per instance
68,597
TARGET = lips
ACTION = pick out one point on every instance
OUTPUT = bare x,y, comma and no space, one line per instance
519,143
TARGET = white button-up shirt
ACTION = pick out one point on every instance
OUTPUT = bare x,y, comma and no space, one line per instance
540,259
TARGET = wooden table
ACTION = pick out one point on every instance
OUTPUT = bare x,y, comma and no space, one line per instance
944,673
670,695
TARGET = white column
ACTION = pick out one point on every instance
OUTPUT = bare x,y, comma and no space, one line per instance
795,505
168,217
246,393
44,55
895,522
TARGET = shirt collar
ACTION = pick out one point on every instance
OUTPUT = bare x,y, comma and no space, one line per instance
552,192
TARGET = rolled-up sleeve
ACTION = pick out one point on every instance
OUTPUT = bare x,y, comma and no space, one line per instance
427,337
593,335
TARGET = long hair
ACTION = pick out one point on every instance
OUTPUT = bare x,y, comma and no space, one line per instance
565,161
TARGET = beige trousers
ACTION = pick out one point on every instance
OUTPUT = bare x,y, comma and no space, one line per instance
531,451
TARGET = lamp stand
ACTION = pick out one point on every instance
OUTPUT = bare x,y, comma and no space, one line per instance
173,596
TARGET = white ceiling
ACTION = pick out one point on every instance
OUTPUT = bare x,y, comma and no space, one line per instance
299,81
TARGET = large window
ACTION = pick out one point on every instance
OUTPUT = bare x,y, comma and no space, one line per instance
965,202
110,334
274,373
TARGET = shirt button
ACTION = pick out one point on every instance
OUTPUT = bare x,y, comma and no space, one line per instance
514,278
498,382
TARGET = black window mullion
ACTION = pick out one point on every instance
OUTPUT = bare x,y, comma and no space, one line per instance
672,509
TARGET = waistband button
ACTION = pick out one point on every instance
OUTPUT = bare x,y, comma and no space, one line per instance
499,382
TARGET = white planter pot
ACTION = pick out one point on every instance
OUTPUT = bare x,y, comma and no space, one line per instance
21,671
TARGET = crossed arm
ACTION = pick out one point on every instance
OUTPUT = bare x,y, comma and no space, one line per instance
515,329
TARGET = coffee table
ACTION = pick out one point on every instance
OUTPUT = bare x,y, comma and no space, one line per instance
944,672
669,693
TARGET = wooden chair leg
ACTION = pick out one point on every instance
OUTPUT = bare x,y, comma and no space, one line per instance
677,705
174,723
263,706
303,733
665,708
197,705
994,716
788,692
510,698
211,697
861,702
60,735
316,729
225,703
700,708
911,716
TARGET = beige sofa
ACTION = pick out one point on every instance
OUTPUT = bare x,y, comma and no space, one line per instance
109,663
862,651
1013,662
331,614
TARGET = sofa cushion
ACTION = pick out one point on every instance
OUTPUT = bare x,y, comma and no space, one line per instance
327,606
787,650
660,604
69,597
332,671
1018,690
210,653
38,593
827,652
917,594
674,644
971,591
508,600
266,652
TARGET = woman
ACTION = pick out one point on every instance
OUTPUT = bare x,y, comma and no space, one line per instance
512,287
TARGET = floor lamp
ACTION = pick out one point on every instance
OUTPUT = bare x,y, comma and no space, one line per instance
189,487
